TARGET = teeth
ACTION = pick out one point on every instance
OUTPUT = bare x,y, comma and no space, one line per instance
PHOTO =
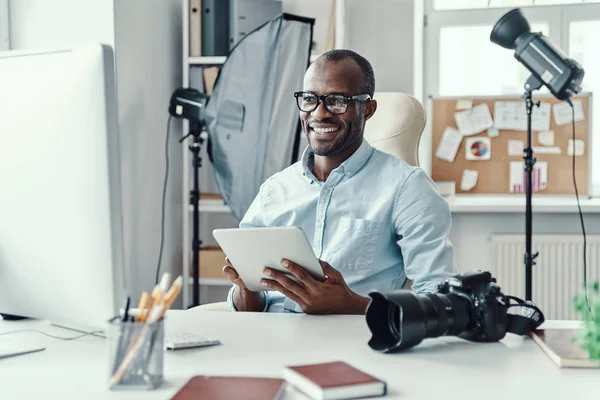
324,130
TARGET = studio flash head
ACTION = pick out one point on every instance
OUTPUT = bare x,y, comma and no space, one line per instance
549,64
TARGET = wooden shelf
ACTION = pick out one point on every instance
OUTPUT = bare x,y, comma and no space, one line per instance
206,60
516,204
211,281
219,60
212,206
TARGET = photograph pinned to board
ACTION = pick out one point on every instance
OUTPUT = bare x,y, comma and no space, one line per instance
493,132
546,138
512,115
563,114
515,147
517,179
474,120
478,148
449,144
469,180
578,147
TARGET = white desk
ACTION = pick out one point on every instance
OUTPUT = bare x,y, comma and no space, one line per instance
261,344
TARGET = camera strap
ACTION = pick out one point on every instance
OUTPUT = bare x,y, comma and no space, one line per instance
529,318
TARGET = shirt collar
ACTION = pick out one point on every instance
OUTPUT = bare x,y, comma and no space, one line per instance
349,167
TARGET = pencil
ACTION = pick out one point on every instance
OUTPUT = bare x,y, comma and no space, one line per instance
142,306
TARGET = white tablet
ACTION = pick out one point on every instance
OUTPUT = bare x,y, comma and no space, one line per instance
252,249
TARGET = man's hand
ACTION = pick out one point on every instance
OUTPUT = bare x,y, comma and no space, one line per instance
243,298
331,296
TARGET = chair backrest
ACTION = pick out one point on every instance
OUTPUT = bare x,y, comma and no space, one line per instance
397,125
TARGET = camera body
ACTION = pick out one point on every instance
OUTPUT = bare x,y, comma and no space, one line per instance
488,305
469,305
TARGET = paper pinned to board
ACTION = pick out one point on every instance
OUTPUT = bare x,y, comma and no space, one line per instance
563,114
546,149
517,176
478,148
579,147
449,144
546,138
512,115
493,131
475,120
464,104
469,180
515,147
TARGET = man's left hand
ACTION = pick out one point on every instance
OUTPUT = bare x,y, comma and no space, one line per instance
332,296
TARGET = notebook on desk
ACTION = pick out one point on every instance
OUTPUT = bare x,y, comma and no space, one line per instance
230,387
558,344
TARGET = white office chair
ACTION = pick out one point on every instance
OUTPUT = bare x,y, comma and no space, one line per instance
395,128
397,125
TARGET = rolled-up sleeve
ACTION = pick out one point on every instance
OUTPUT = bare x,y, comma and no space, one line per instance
423,220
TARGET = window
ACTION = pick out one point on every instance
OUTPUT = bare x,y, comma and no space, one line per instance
470,63
583,47
471,4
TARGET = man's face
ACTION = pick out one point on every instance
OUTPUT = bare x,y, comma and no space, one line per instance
329,134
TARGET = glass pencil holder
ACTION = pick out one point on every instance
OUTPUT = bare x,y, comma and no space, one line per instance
136,354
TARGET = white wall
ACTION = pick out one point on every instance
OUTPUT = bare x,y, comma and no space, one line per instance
4,31
382,31
147,38
320,10
60,23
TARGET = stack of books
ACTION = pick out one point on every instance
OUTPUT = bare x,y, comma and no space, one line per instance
323,381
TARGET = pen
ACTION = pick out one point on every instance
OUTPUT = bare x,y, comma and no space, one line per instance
126,309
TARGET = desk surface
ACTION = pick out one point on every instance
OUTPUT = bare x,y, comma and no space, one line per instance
261,344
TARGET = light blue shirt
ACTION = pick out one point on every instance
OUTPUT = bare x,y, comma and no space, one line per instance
375,219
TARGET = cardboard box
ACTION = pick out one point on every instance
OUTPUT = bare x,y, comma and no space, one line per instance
212,260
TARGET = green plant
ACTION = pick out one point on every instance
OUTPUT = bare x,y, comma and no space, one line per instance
590,334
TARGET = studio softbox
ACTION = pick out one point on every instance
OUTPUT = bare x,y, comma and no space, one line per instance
251,117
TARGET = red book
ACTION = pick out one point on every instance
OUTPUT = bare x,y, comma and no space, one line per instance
229,387
334,380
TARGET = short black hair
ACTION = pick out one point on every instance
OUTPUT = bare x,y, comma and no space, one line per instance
368,82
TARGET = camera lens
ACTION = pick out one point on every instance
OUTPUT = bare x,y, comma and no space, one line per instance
402,319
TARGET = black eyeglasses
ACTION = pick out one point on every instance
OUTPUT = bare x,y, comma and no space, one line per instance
334,103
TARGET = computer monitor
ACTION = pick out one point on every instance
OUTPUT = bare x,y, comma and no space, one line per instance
61,248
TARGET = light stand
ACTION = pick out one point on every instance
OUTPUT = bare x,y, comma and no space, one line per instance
196,131
532,84
550,67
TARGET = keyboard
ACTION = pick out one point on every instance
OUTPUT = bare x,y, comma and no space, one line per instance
182,340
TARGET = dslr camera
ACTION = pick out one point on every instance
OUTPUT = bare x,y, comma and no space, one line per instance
471,306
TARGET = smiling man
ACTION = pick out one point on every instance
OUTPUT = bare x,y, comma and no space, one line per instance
372,220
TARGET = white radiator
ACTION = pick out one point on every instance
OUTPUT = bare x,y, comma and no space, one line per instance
558,274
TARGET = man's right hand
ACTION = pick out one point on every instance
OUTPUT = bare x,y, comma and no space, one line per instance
243,298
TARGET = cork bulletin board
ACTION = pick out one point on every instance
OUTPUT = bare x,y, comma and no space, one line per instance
494,173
